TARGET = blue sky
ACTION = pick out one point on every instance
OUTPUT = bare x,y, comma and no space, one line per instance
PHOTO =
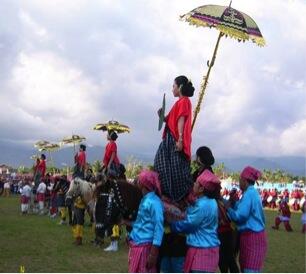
67,65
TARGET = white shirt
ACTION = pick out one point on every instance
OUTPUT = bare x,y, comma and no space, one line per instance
50,187
6,185
41,188
26,191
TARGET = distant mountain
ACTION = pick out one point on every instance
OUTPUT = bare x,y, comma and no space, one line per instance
292,164
16,155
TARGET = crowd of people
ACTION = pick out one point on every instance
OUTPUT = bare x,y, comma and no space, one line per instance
271,198
215,224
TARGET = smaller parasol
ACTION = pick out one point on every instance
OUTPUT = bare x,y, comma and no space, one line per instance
113,126
49,147
73,139
41,143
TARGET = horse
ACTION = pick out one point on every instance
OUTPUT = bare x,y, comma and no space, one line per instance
115,200
84,189
120,199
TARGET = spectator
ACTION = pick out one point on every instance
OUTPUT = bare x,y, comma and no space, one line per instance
6,192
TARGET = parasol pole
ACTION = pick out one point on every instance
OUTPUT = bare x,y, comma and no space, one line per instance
205,81
51,160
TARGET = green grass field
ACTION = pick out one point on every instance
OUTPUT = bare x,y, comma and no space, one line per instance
40,245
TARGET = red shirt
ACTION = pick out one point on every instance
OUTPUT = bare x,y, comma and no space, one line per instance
81,159
273,193
182,108
284,209
109,149
42,167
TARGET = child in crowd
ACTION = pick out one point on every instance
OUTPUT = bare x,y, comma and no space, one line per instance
25,197
41,191
284,215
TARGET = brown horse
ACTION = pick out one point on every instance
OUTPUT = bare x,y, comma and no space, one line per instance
115,199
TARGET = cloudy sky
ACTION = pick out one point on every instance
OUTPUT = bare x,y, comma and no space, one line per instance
69,64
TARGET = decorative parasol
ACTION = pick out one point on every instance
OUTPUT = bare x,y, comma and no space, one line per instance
50,148
112,125
41,143
230,22
73,139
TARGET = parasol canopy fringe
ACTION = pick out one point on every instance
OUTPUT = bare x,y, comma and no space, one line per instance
232,33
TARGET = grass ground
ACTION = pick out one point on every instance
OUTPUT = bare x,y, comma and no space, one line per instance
40,245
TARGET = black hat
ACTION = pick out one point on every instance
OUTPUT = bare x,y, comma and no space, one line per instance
206,156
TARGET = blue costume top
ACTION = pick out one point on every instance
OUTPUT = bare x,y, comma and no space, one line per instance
149,224
247,212
201,224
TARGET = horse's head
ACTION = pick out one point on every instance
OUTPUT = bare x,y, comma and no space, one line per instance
115,199
106,212
73,191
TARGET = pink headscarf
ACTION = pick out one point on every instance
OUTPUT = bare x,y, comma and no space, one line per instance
209,180
250,173
149,179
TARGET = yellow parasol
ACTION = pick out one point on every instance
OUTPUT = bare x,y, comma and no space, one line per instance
41,143
73,139
112,126
50,148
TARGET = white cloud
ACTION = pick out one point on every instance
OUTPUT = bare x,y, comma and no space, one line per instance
293,139
33,26
271,68
51,96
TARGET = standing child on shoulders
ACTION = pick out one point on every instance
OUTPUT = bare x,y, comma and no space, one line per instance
111,162
172,159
